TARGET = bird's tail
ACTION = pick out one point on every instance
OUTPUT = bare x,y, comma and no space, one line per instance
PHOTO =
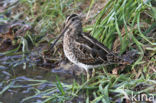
127,58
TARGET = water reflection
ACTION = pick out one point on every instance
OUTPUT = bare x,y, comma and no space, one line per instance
28,74
17,83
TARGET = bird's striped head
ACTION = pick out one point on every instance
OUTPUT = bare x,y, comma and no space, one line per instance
73,21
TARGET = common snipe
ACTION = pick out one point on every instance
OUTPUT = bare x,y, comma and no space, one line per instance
82,49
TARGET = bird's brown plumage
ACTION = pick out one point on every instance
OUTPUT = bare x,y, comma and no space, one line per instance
81,48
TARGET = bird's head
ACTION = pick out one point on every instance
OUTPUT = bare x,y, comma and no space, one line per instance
73,21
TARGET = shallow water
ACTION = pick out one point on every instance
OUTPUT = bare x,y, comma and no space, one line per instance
17,83
23,75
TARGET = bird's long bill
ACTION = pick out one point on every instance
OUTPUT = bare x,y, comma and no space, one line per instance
62,33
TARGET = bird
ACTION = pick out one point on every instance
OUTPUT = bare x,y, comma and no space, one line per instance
82,49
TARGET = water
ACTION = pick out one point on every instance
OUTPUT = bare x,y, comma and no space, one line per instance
29,74
17,83
22,75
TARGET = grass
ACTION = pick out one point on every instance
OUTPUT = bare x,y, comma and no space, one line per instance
125,20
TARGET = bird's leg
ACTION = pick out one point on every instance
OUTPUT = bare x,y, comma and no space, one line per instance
88,76
93,72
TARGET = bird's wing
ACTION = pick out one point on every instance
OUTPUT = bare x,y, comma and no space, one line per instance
88,52
91,51
111,56
96,43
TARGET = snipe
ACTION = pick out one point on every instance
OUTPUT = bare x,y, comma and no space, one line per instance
82,49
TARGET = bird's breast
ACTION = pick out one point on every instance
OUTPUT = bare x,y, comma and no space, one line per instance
68,48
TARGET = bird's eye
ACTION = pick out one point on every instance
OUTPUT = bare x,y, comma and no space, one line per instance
73,19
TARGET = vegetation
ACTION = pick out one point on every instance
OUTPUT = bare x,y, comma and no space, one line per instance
121,25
